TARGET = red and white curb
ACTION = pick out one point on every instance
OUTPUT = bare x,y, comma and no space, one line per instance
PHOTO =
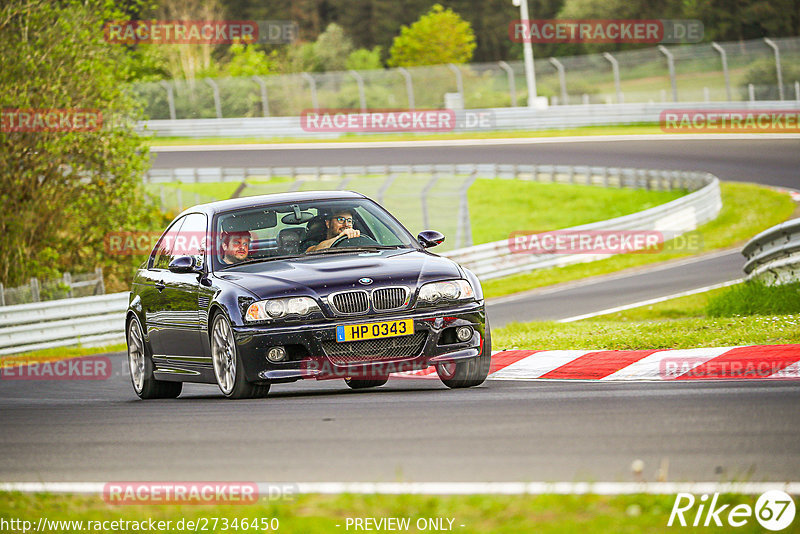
717,363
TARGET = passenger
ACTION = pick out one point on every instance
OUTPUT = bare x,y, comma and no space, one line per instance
235,247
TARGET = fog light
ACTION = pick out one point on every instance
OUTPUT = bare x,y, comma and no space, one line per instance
463,333
276,354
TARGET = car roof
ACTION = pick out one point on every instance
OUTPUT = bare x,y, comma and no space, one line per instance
277,198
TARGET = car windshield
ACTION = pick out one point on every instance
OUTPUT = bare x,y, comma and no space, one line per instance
284,231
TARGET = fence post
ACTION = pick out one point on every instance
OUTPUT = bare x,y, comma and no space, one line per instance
264,101
774,47
724,57
312,84
423,197
68,283
615,68
512,87
361,96
34,290
671,66
562,79
179,198
101,285
409,86
463,230
459,83
797,91
751,90
217,102
170,98
2,295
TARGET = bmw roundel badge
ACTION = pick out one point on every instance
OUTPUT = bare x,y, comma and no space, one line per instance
365,281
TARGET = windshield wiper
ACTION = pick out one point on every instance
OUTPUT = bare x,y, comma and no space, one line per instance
353,249
259,260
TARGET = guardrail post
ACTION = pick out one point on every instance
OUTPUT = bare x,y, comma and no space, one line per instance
34,289
797,91
170,98
409,86
777,51
101,285
615,68
2,295
512,87
671,66
562,79
68,282
361,96
459,82
725,73
312,84
217,101
751,92
264,101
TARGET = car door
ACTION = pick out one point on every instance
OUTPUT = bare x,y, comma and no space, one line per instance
181,339
156,316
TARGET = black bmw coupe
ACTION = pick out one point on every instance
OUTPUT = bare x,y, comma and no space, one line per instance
248,292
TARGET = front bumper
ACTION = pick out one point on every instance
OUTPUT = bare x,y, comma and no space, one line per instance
310,359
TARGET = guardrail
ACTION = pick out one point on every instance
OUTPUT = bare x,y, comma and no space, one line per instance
87,321
473,120
774,254
495,260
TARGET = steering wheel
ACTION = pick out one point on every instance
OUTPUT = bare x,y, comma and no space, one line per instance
360,241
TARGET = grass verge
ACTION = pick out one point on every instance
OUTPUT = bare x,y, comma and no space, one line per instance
747,209
58,353
584,514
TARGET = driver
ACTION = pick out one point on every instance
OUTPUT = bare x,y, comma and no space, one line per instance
338,223
235,247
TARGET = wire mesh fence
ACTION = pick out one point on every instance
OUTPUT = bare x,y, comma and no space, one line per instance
68,286
702,72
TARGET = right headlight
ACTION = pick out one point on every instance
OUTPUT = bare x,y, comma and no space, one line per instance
451,290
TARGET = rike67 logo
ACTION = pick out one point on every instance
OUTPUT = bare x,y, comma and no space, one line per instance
774,510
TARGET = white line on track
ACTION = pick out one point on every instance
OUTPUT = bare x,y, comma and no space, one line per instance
460,488
650,301
312,145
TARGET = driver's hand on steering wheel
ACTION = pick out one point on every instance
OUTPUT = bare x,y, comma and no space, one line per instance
349,232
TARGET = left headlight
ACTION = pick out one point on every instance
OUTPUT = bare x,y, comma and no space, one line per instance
277,308
450,290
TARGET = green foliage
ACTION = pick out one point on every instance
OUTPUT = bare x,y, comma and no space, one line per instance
754,297
248,60
63,191
364,59
332,48
764,77
440,36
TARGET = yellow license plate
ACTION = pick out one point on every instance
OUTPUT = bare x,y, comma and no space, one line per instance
358,332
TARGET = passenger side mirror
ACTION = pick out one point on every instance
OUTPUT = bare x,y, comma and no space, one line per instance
183,264
430,238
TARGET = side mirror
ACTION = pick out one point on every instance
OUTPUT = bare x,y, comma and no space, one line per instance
183,264
430,238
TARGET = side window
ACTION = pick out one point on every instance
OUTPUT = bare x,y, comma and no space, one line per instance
191,240
162,254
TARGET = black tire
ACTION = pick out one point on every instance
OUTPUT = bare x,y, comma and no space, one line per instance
469,373
224,353
140,366
363,384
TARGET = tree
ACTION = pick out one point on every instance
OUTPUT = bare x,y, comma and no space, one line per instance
332,48
440,36
364,59
62,192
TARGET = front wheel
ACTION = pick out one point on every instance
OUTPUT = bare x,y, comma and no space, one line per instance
228,368
471,372
141,367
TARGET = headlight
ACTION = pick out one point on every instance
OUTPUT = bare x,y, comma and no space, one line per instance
277,308
450,290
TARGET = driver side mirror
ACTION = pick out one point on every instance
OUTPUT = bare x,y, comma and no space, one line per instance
430,238
184,264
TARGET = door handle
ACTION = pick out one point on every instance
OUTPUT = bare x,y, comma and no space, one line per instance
160,286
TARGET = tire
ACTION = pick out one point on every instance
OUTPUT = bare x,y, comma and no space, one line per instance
469,373
140,365
228,367
363,384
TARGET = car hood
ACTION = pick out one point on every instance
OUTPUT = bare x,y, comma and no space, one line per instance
324,274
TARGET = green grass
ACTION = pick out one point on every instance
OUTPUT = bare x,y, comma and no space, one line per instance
755,298
625,129
499,207
58,353
746,210
311,514
621,334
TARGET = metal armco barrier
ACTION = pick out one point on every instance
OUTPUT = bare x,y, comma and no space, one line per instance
87,321
774,254
492,119
495,260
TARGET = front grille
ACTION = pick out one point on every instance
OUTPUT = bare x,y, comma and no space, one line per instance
390,298
351,302
370,350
